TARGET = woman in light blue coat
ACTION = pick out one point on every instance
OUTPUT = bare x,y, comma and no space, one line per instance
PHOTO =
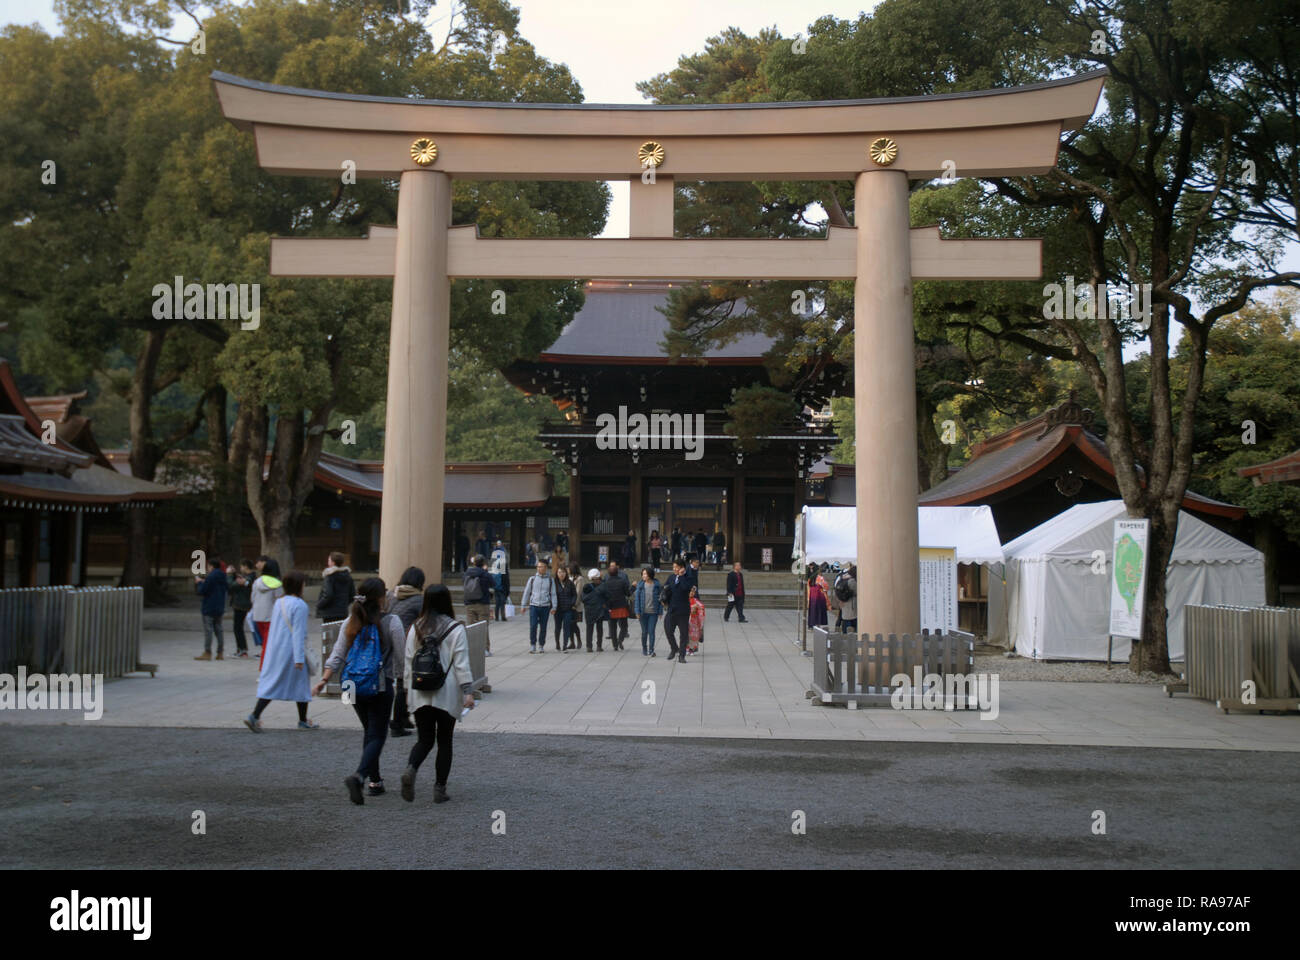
284,669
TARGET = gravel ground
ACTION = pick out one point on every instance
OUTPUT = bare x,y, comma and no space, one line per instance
1081,671
112,798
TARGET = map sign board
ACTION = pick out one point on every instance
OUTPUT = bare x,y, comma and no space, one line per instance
1128,585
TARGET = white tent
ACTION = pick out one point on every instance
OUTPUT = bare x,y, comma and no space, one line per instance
1057,608
832,533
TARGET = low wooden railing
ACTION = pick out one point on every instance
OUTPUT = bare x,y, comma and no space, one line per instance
856,669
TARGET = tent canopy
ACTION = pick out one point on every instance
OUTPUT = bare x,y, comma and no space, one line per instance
1053,606
832,533
1085,527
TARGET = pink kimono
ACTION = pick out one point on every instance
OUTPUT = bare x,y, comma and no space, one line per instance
696,629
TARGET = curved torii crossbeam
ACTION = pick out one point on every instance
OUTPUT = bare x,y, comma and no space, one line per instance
880,144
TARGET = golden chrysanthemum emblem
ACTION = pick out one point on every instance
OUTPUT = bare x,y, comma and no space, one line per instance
883,150
424,151
651,153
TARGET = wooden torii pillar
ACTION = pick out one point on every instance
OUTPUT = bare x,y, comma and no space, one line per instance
879,144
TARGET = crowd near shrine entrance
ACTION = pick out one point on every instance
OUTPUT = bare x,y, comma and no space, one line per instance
880,145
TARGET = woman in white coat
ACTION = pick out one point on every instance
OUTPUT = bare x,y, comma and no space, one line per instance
435,711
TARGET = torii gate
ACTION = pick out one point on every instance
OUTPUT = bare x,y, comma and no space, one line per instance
880,144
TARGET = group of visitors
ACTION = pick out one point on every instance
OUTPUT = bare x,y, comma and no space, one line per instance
681,545
841,598
251,589
561,601
402,657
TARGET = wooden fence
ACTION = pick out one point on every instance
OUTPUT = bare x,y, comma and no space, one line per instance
857,669
1226,646
93,630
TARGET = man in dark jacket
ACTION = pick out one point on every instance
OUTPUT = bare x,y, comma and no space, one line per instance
676,543
212,588
677,611
462,552
719,548
336,590
478,593
735,593
701,544
618,591
240,582
405,606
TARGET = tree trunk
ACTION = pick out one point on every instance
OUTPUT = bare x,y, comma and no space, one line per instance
1152,653
931,451
1268,542
144,461
227,491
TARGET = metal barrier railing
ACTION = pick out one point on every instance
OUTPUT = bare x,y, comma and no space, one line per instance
1230,649
65,629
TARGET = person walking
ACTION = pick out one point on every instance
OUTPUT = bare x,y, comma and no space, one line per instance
735,594
267,589
816,602
656,550
241,601
675,544
677,602
213,588
618,591
846,592
629,556
646,604
696,628
700,544
561,549
285,674
539,598
372,654
336,589
566,598
478,594
437,705
719,548
405,604
500,570
575,625
594,609
462,551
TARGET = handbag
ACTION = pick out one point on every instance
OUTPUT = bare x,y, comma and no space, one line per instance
310,656
510,610
618,613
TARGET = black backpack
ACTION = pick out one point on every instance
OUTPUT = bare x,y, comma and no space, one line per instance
842,590
427,672
475,582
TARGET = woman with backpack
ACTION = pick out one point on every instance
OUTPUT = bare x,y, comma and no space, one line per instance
372,655
285,675
566,598
438,683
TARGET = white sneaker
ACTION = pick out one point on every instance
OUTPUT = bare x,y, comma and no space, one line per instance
532,649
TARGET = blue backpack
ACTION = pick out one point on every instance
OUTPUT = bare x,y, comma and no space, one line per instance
365,664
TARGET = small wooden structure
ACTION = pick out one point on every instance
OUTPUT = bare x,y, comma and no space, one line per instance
856,669
1226,646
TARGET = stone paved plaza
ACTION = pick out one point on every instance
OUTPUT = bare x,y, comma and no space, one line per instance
748,682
